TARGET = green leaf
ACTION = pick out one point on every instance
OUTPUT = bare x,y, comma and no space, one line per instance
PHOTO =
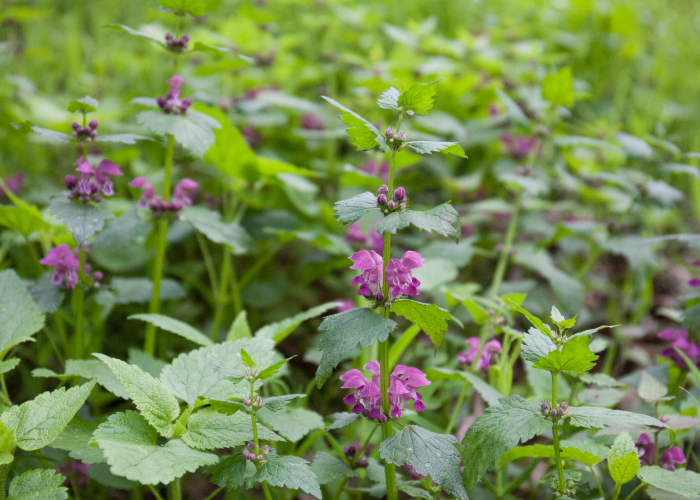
208,222
365,135
650,389
292,472
155,402
479,314
343,331
558,88
429,454
536,322
681,482
272,369
429,317
26,126
88,368
499,429
279,330
85,105
131,31
230,153
414,491
388,100
131,448
277,403
341,420
329,469
38,484
24,219
490,395
247,360
46,295
121,231
193,7
82,220
122,138
442,219
575,356
536,345
623,461
292,423
592,417
352,209
556,316
8,365
174,326
419,98
547,451
599,379
429,147
229,472
76,438
38,422
20,317
208,429
193,130
240,329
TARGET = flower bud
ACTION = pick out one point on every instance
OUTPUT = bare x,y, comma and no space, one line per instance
168,36
565,405
75,125
185,38
566,492
560,411
186,103
391,205
93,134
365,413
97,275
246,401
573,492
71,182
381,200
93,124
543,406
382,418
403,206
389,132
553,412
251,445
260,457
380,296
400,194
383,189
160,101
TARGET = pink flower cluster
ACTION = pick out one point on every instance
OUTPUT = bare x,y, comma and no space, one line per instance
66,266
91,182
184,192
518,146
370,239
669,458
398,274
250,455
172,103
85,133
490,348
679,338
380,169
367,397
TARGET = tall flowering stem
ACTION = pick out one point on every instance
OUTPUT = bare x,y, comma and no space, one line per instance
78,299
555,436
253,418
162,225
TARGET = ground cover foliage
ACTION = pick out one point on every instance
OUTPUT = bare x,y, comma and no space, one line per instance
285,249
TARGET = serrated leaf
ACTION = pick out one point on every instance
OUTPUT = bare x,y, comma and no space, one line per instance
208,429
20,317
547,451
85,105
557,317
8,365
174,326
81,219
388,100
155,402
247,360
38,484
575,356
209,223
272,369
592,417
229,472
536,322
121,231
429,317
623,461
499,429
131,448
418,98
134,32
414,491
195,8
289,471
365,135
352,209
681,482
651,389
429,454
279,330
277,403
590,332
240,329
329,469
343,331
292,423
479,314
89,368
341,420
193,130
442,219
490,395
429,147
76,438
536,345
51,134
599,379
38,422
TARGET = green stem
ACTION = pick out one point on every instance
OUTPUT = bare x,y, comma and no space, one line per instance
235,289
507,245
339,493
629,497
78,302
4,469
600,486
162,225
216,492
155,493
555,436
455,412
175,489
256,446
572,396
616,491
221,296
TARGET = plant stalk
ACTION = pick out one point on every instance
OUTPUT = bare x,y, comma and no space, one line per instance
256,446
78,302
175,489
555,436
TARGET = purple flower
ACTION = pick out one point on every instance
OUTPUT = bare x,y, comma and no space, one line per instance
370,239
379,169
346,305
679,338
490,348
14,184
80,469
645,449
695,282
398,274
183,193
671,457
402,388
65,265
519,147
172,103
371,265
91,181
147,191
367,396
311,121
185,190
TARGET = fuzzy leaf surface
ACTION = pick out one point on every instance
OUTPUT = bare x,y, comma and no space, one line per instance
442,219
76,438
174,326
289,471
20,317
208,429
132,31
429,454
547,451
341,420
418,99
499,429
155,402
86,104
229,472
365,136
593,417
292,423
575,356
429,317
536,345
193,130
209,223
38,484
429,147
82,220
651,389
623,461
681,482
131,448
279,330
329,469
343,331
352,209
389,100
